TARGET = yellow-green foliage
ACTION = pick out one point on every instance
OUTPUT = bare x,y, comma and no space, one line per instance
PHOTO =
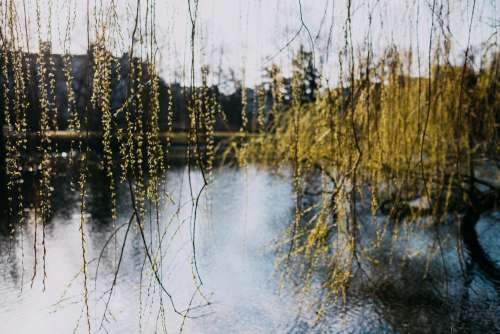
388,136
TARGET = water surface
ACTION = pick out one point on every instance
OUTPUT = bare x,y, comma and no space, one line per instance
240,220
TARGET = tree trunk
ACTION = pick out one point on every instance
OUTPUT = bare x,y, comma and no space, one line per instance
471,239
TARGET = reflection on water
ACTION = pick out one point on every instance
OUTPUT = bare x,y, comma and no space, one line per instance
240,219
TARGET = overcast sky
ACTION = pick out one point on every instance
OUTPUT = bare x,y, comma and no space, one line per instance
245,34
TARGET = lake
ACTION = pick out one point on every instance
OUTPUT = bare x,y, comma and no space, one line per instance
234,285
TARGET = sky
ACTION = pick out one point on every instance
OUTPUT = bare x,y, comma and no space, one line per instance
243,36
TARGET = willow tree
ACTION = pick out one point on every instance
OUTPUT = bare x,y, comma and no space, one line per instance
385,146
379,141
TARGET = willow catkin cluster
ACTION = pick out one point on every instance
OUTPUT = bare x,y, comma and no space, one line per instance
74,122
202,108
126,133
20,108
296,110
156,163
46,96
276,89
138,105
209,105
242,158
101,100
10,159
170,125
12,172
200,105
261,98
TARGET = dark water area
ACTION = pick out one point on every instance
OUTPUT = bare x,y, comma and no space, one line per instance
417,287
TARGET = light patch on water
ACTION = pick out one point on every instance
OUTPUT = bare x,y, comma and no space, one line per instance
239,218
240,221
